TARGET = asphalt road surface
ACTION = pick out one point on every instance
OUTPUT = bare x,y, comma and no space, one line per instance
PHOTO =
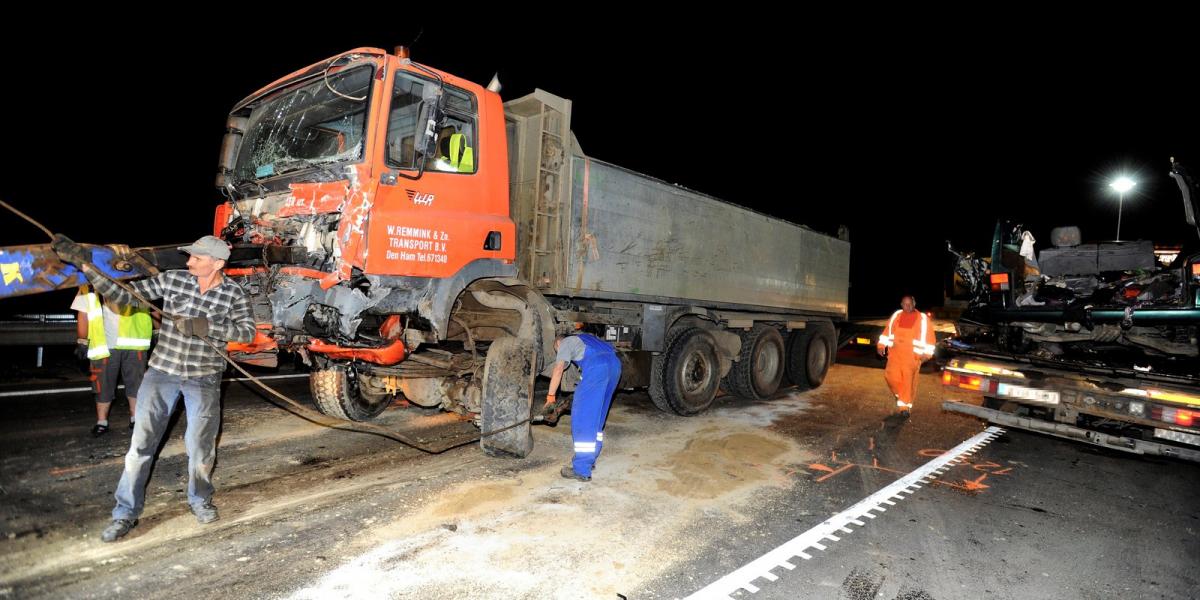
676,505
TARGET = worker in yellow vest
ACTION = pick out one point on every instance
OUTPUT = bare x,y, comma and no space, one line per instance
116,341
454,154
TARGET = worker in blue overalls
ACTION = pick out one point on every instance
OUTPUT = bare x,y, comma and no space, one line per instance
589,409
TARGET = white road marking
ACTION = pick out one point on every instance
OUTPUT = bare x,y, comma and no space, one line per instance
742,578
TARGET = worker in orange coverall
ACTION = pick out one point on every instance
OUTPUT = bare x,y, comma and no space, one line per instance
908,341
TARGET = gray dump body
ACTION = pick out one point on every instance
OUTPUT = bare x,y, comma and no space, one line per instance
591,229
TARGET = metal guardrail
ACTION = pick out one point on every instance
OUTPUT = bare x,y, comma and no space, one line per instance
40,330
47,329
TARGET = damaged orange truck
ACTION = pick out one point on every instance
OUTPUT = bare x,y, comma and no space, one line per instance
411,234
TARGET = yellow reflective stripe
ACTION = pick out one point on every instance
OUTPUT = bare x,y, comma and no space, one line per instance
97,344
456,142
467,164
124,343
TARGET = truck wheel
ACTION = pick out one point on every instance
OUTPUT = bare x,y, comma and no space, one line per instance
759,368
658,369
809,354
690,373
337,394
508,374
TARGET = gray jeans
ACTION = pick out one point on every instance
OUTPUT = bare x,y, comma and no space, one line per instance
127,365
156,400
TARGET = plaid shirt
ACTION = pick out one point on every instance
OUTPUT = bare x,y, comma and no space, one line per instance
225,306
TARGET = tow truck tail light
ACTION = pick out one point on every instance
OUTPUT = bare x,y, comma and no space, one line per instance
999,282
968,382
1177,416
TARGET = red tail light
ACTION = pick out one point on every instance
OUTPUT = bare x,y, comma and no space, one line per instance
968,382
999,282
1178,416
1184,417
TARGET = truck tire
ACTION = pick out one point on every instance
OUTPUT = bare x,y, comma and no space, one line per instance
809,354
759,369
508,375
337,394
689,372
658,390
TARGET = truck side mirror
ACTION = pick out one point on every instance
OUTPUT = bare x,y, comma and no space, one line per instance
235,128
429,119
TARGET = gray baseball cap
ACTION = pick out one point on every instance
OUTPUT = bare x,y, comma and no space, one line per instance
208,246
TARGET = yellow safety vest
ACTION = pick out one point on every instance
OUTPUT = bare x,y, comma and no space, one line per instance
134,328
462,157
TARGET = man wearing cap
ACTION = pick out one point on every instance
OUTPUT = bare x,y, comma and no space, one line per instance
202,304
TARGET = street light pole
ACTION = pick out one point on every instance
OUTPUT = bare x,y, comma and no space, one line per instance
1121,184
1120,204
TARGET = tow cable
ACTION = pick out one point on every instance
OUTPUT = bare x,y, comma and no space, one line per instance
294,407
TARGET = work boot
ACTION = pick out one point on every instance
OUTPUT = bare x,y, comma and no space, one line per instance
99,430
904,413
117,529
205,513
568,472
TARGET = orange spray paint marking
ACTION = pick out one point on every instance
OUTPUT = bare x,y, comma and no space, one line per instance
835,473
64,470
820,467
984,466
976,484
871,446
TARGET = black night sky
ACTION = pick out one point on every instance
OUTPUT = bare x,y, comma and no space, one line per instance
910,129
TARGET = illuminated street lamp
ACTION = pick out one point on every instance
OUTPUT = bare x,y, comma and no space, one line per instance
1121,184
